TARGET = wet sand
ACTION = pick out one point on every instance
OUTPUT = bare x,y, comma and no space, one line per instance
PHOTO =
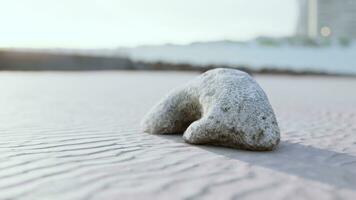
75,135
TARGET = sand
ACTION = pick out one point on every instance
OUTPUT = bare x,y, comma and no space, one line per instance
75,135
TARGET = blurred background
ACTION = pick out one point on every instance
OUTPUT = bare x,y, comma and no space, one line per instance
274,36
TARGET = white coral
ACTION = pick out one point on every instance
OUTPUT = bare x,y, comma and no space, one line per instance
223,107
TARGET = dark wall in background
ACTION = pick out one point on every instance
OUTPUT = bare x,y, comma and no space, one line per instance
16,60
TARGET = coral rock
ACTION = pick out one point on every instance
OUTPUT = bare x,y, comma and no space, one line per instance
224,107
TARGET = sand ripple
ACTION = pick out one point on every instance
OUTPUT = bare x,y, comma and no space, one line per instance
76,136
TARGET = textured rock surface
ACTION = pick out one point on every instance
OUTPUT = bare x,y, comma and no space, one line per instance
221,107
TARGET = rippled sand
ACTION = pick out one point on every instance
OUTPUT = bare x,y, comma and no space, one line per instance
75,135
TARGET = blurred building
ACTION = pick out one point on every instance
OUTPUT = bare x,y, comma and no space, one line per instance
327,18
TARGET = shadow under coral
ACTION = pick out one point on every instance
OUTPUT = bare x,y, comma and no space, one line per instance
324,166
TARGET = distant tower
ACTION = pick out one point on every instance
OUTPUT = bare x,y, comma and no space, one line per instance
327,18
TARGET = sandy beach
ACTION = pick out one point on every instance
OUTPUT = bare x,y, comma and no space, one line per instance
76,135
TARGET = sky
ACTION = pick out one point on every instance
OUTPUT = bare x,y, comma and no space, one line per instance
113,23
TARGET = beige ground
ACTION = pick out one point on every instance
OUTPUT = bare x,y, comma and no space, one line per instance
76,136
